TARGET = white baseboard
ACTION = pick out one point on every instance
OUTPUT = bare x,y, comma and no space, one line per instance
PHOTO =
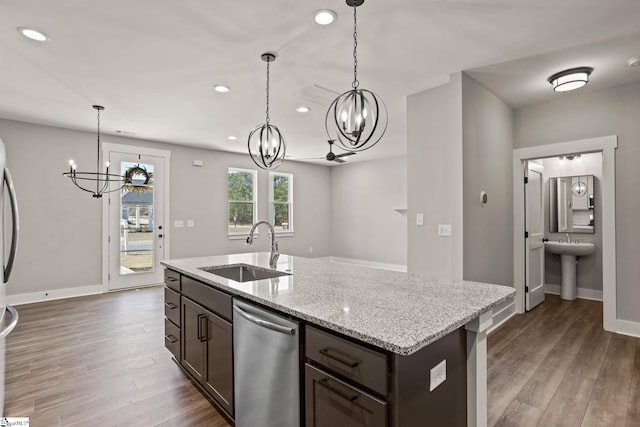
501,315
583,293
54,294
371,264
626,327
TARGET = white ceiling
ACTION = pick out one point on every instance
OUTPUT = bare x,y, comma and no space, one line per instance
152,63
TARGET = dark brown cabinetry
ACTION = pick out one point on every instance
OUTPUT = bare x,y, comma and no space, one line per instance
199,334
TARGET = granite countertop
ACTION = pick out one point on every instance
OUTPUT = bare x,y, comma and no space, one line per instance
399,312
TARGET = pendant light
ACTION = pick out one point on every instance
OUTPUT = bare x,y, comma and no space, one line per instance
101,180
357,119
266,143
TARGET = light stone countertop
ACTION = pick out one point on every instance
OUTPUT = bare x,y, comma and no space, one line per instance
399,312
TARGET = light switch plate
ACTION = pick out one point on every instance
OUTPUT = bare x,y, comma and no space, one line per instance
419,219
438,375
178,223
444,229
191,223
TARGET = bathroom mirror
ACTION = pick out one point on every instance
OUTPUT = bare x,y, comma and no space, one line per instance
571,204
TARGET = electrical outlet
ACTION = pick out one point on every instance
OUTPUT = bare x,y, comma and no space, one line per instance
178,223
444,229
438,375
419,219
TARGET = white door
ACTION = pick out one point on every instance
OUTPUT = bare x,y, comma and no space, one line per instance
136,222
534,229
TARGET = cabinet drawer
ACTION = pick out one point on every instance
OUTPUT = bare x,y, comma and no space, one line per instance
172,305
207,296
353,361
330,402
172,338
172,279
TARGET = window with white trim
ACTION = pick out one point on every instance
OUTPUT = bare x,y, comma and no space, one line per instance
281,202
242,200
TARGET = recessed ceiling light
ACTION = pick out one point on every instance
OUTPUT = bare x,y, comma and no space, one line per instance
303,109
221,88
32,34
571,79
324,17
232,138
634,62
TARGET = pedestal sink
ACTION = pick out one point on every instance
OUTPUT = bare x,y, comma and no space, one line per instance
568,253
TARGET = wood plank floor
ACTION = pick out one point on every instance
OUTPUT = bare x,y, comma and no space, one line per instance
101,361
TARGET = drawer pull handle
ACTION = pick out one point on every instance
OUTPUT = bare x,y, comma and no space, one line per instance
170,338
350,397
170,279
170,305
349,363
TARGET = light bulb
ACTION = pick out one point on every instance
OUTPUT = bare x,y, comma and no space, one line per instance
71,162
107,164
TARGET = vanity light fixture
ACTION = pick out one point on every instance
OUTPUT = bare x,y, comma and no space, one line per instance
267,146
32,34
324,17
102,180
357,119
571,79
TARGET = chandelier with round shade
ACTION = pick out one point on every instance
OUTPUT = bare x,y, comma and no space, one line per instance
267,146
357,119
97,183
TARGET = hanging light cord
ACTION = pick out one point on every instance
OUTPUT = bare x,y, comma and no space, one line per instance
98,155
268,62
355,83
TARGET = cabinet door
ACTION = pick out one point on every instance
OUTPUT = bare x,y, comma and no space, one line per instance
331,402
219,362
193,338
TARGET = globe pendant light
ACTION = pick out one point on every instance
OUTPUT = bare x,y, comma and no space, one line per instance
357,119
102,180
266,143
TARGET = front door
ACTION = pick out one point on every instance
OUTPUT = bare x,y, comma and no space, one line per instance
136,222
534,226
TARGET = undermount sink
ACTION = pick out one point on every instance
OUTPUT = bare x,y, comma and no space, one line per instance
566,248
243,272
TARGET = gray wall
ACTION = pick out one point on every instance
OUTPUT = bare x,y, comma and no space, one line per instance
589,271
488,152
601,113
434,179
364,224
61,226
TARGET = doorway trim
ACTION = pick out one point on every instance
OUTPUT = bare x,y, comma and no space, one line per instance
607,146
107,149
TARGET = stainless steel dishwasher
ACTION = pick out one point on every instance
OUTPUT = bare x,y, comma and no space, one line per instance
266,368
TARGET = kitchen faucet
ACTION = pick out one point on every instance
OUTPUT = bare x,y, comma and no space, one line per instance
273,257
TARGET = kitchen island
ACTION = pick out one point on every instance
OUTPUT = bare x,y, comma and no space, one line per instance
398,317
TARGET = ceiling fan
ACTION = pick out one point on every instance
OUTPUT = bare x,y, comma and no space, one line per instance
332,157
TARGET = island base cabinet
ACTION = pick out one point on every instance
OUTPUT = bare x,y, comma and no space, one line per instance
207,352
330,402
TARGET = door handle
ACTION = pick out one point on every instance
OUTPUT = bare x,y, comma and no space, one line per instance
14,222
350,397
160,236
202,327
339,359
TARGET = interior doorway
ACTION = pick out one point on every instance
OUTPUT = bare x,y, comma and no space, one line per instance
605,145
136,239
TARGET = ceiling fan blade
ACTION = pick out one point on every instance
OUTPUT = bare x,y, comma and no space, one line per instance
345,154
338,160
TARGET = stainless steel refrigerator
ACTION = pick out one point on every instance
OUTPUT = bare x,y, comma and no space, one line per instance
8,246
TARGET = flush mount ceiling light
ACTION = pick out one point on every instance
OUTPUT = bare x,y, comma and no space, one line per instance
221,88
357,119
102,180
571,79
32,34
303,109
232,138
634,62
324,17
266,143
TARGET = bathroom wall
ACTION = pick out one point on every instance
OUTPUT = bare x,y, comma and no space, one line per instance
589,272
578,116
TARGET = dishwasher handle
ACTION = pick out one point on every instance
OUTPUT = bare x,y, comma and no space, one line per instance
264,323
